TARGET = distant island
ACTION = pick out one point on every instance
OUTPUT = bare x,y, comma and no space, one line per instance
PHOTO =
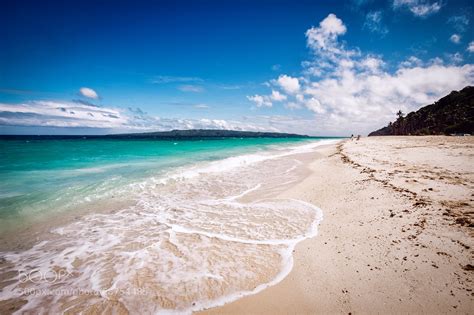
452,114
191,134
204,134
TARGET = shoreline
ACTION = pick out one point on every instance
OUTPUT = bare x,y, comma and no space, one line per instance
271,250
388,243
31,230
396,234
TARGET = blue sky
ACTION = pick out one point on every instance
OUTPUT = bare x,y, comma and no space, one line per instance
313,67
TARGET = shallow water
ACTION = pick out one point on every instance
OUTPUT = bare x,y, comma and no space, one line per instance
199,235
38,177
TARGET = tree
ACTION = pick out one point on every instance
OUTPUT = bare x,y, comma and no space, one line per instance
400,114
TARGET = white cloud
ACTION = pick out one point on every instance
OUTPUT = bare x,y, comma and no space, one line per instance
266,100
324,36
78,115
205,123
288,84
284,123
372,64
455,38
201,106
411,62
277,96
328,51
314,105
373,22
455,58
350,89
60,114
419,8
260,101
191,88
370,97
88,92
470,47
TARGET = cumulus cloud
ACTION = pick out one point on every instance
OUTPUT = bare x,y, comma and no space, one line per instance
455,58
324,37
88,92
289,84
277,96
411,62
470,47
327,49
371,64
373,23
260,101
455,38
367,97
347,88
314,105
267,100
419,8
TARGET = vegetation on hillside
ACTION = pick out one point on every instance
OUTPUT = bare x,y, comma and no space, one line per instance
452,114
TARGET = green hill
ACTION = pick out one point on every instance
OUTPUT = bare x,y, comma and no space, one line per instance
452,114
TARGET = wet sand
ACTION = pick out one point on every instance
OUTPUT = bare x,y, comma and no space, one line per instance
209,235
397,233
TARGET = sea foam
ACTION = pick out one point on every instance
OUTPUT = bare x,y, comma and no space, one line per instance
197,237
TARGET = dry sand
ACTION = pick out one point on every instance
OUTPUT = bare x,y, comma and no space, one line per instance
397,234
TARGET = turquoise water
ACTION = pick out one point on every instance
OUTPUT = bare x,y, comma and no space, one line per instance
42,176
193,224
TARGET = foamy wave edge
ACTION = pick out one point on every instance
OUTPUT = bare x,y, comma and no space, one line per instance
239,160
287,261
287,254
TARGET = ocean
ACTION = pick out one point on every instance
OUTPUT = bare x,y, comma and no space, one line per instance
189,224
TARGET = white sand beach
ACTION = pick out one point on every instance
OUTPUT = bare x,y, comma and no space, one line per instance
396,235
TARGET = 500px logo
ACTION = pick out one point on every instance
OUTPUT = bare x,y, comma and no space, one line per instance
41,276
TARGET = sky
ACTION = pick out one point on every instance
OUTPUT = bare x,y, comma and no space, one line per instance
322,68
